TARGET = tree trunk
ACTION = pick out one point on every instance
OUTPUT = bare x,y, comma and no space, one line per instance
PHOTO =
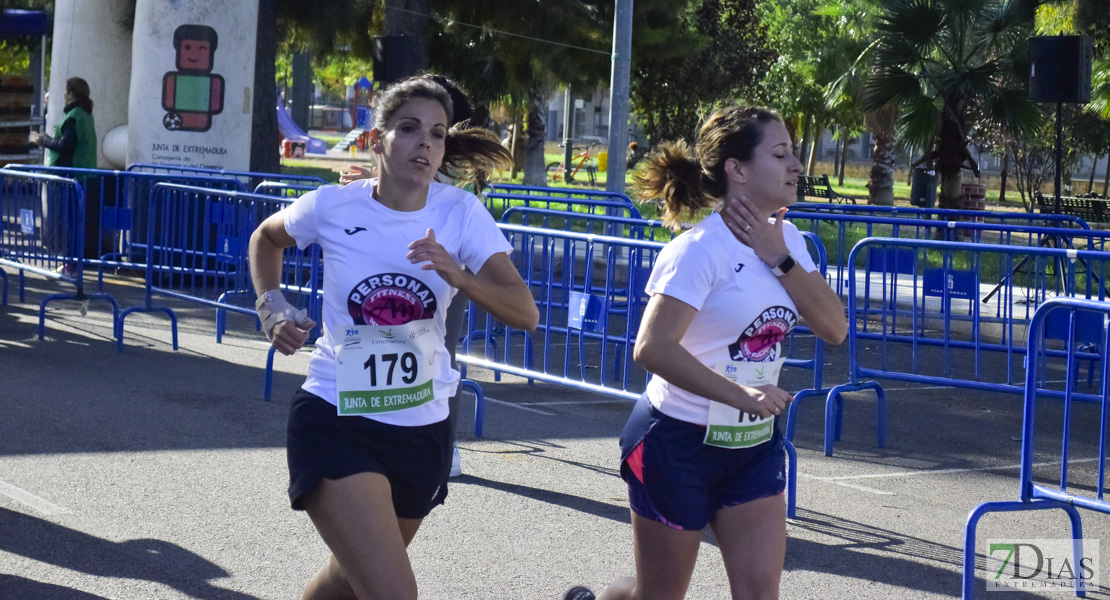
1005,176
265,140
802,148
843,162
1106,178
516,144
950,191
812,158
881,124
952,148
534,169
1091,179
881,184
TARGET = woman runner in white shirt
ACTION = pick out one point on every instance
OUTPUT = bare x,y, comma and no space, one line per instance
369,445
703,446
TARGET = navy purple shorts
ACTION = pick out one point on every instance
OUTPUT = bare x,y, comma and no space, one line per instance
677,480
323,445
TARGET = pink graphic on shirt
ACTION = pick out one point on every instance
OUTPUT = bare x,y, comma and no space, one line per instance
390,299
759,341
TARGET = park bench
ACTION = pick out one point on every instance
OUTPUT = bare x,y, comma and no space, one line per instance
1093,210
819,187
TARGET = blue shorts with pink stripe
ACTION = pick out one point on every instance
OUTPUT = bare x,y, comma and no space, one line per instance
675,479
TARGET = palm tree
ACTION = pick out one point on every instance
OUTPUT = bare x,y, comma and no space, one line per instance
941,60
857,41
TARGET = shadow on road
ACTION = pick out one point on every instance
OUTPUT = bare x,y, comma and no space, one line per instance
142,559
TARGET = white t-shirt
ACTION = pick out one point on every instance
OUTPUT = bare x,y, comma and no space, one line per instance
368,280
743,312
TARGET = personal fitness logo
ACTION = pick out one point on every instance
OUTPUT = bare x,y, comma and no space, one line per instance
1043,565
390,299
759,341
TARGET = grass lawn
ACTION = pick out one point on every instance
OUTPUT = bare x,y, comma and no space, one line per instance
314,169
330,138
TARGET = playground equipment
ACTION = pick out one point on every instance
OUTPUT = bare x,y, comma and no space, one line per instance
294,134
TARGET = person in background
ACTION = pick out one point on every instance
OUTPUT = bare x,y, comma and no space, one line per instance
635,154
74,141
703,445
73,145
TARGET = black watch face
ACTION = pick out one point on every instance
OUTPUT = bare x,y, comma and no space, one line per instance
787,264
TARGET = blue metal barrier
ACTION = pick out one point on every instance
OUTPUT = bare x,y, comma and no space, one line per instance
43,232
590,292
117,203
947,214
845,229
247,178
284,190
624,227
1083,321
919,304
498,203
198,252
557,192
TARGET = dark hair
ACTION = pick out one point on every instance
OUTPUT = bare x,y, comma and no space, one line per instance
79,89
195,32
472,153
691,180
461,106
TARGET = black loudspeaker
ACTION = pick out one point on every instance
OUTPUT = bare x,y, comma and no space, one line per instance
1060,68
392,57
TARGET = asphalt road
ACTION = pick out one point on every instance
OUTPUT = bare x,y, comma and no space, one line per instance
156,474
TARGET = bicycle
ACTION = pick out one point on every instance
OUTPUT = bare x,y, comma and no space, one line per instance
555,170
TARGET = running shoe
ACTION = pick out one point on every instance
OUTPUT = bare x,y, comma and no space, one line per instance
456,463
579,592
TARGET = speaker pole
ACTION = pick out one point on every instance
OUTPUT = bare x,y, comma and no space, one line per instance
1059,149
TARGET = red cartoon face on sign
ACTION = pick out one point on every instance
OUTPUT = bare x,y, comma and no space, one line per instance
194,54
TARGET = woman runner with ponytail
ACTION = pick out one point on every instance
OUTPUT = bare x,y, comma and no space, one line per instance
369,442
703,445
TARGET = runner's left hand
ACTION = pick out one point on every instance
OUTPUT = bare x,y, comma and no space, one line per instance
759,234
427,250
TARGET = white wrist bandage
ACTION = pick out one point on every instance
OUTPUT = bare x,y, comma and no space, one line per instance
273,309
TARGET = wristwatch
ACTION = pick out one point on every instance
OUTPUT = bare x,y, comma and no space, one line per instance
785,264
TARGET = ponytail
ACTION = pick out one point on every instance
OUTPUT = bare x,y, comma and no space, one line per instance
673,175
689,180
472,153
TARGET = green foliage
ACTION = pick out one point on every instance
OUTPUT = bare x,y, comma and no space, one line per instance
14,58
953,65
791,84
685,62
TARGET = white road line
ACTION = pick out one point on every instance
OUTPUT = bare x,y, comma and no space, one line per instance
515,405
947,471
847,485
23,496
947,387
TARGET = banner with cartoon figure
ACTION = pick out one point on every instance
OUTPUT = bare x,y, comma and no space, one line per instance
192,81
